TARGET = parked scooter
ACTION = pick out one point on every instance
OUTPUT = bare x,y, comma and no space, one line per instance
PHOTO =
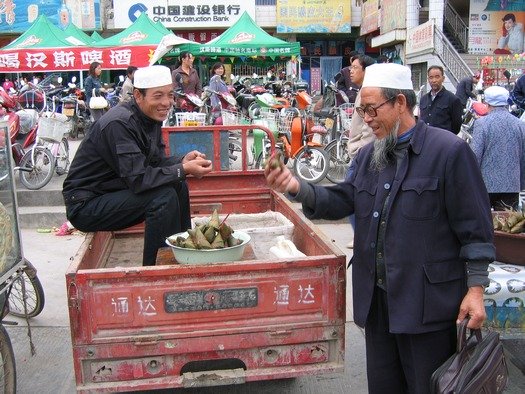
74,107
473,110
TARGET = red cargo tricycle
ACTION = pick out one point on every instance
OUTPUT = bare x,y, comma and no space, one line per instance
178,325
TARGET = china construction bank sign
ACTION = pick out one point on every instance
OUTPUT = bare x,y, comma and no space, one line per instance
175,14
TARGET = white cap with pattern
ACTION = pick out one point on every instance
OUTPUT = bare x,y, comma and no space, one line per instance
152,77
388,75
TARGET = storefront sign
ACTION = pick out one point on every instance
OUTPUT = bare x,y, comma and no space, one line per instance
420,38
174,14
43,60
201,36
369,16
313,16
17,18
490,34
393,15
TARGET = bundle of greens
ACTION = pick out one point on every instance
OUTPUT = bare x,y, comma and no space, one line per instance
211,235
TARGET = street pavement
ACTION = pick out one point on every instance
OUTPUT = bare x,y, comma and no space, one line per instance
51,369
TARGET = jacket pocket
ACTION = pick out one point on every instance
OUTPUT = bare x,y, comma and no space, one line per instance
365,197
130,159
420,198
444,288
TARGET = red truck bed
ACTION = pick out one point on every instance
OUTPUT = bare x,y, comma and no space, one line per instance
138,328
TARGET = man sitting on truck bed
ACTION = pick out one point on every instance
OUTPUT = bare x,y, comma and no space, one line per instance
423,235
120,176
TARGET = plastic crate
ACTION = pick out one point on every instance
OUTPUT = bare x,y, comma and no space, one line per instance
188,119
230,118
53,127
346,111
263,228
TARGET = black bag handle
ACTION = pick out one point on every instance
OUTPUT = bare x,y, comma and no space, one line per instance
462,334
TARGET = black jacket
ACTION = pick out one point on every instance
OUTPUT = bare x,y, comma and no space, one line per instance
465,89
438,218
444,112
124,150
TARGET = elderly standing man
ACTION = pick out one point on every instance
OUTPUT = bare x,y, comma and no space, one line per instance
120,175
498,141
440,107
423,238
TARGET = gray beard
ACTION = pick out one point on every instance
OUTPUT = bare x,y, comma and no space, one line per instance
383,149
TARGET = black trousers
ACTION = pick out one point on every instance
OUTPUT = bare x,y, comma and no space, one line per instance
402,363
165,211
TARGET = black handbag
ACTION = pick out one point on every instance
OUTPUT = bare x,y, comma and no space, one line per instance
478,366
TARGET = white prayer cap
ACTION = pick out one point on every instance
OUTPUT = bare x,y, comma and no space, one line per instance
388,75
152,77
496,96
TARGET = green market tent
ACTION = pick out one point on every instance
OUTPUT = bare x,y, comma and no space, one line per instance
42,48
138,42
44,34
244,40
95,36
142,32
73,31
247,40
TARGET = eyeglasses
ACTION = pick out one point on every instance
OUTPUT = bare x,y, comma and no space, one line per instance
371,111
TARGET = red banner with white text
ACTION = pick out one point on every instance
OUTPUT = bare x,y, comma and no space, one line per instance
71,59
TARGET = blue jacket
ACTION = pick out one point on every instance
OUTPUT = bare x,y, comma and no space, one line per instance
445,111
498,141
439,218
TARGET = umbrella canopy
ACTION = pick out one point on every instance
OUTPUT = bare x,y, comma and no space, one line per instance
246,39
174,45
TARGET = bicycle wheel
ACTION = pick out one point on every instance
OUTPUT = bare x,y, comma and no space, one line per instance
36,168
311,164
339,163
62,157
34,295
7,363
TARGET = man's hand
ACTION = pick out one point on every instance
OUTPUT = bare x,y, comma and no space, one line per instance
195,163
472,306
194,154
281,179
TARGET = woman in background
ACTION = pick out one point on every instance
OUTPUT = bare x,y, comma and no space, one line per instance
217,84
91,83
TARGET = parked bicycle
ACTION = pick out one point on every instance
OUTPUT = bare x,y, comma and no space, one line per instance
49,154
337,149
21,293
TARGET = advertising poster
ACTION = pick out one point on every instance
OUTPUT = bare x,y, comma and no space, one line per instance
393,15
17,16
207,14
496,27
313,16
369,16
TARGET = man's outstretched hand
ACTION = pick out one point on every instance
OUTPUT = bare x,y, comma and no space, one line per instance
196,164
